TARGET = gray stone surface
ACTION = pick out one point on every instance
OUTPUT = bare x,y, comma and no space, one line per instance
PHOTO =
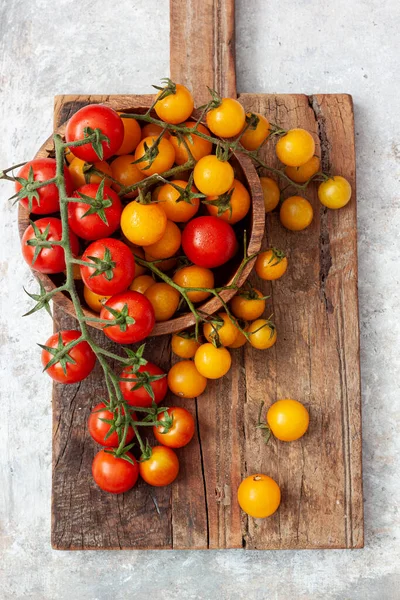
49,47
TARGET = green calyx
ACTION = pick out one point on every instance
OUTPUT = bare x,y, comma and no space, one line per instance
166,90
150,154
223,203
252,120
97,204
42,301
28,190
60,354
39,241
97,140
277,257
186,194
102,265
121,318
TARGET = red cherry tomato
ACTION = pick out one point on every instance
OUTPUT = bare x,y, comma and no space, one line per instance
49,260
209,242
118,277
98,428
139,308
106,215
114,474
44,169
141,396
75,365
95,116
181,431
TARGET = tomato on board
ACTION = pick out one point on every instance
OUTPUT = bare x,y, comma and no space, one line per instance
212,362
197,145
271,193
81,172
99,428
161,468
213,176
163,159
259,496
93,300
175,204
335,192
97,215
262,334
304,172
184,344
248,304
168,244
254,136
137,308
73,366
143,224
132,135
48,259
124,171
296,213
227,119
271,264
113,267
195,277
48,200
115,474
185,381
89,118
175,107
220,329
209,242
164,299
288,419
181,430
295,148
151,379
232,206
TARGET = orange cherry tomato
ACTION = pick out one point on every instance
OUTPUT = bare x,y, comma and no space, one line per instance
221,329
184,344
227,119
271,193
161,468
162,161
176,205
143,224
126,173
81,175
259,496
232,206
262,334
240,340
288,419
304,172
141,283
195,277
212,362
177,107
153,130
295,148
253,137
271,264
198,146
168,245
164,299
132,136
185,381
93,300
296,213
212,176
248,304
181,430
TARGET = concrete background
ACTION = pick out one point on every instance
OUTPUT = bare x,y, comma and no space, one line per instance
309,46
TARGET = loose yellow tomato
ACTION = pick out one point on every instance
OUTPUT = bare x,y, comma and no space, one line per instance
288,419
295,148
240,340
198,146
212,362
303,173
232,206
253,137
168,245
162,161
259,496
132,136
195,277
126,173
143,224
164,265
221,329
153,130
80,174
185,381
164,299
227,119
184,344
271,264
296,213
177,107
212,176
262,334
141,283
248,304
175,203
335,192
69,155
271,193
93,300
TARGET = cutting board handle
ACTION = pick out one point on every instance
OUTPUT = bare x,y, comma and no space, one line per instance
202,46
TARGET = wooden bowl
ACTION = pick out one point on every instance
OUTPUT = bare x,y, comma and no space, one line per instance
253,224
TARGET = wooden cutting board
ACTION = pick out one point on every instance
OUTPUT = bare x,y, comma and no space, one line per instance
315,360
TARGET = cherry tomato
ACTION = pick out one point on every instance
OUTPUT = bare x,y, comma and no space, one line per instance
335,192
184,344
98,428
161,468
209,242
93,300
227,119
95,116
177,107
73,366
270,265
164,300
212,176
115,474
254,136
143,224
81,172
97,215
271,193
124,171
132,135
181,431
175,204
196,277
139,308
262,334
113,267
212,362
296,213
222,329
232,206
153,130
51,259
295,148
288,419
259,496
239,341
150,376
185,381
304,172
141,283
43,169
198,146
162,161
168,245
248,304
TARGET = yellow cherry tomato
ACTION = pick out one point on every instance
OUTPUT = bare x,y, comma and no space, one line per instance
80,174
175,108
185,381
335,192
126,173
184,345
93,300
195,277
132,136
259,496
175,203
153,130
168,245
212,362
198,146
212,176
304,172
164,299
295,148
296,213
248,304
262,334
69,155
227,119
221,329
240,340
271,264
253,137
232,206
143,224
288,419
141,283
162,161
271,193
